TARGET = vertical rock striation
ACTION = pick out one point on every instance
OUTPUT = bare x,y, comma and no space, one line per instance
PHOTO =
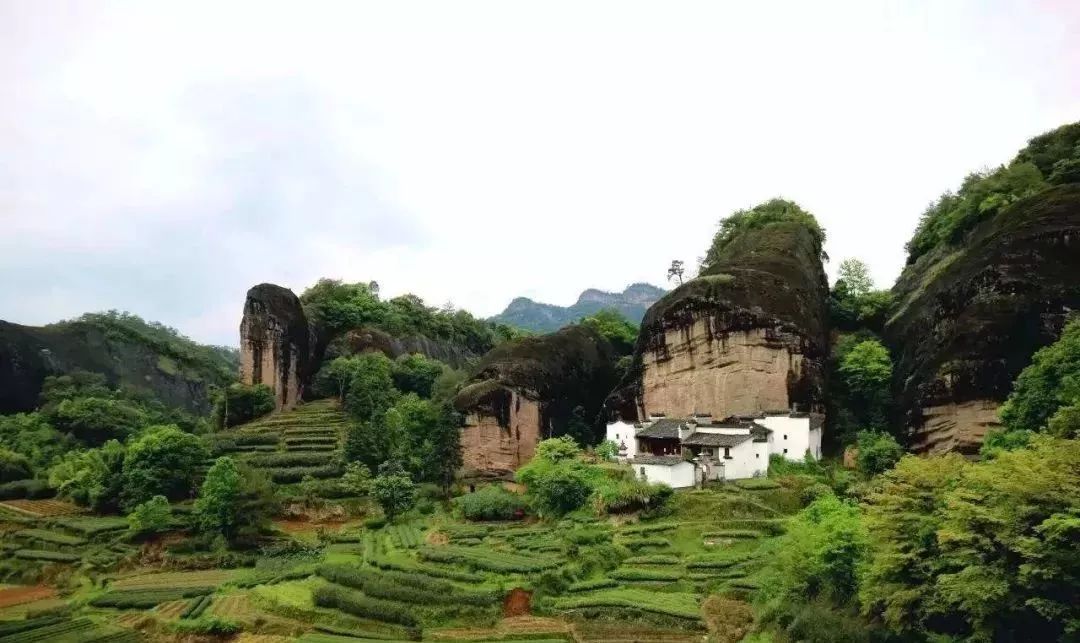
968,319
275,343
531,389
747,336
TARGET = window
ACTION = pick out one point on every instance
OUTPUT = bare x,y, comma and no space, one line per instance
727,453
757,455
785,450
785,436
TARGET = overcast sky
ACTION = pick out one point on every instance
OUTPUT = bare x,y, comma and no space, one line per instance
161,157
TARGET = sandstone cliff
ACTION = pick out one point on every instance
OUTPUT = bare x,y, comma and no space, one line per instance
531,389
969,317
745,337
181,378
275,343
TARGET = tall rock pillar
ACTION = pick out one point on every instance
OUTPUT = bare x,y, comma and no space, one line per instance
275,343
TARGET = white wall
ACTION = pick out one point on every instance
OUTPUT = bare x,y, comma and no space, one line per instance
791,436
623,433
676,476
743,463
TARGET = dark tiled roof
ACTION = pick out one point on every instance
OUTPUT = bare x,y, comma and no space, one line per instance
662,429
760,430
664,460
700,439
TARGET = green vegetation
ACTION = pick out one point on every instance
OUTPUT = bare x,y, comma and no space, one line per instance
1047,392
756,218
239,403
491,503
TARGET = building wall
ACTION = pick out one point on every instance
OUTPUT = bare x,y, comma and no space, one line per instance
488,448
676,476
794,435
743,463
623,433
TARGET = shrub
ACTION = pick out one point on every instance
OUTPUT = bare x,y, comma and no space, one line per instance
590,585
14,466
487,559
151,517
146,598
244,403
405,587
491,503
754,484
32,489
37,554
357,604
632,574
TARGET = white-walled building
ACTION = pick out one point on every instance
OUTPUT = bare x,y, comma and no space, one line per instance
681,452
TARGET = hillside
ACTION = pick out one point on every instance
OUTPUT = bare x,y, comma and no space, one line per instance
527,314
128,351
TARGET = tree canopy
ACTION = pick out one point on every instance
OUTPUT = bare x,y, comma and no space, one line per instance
759,216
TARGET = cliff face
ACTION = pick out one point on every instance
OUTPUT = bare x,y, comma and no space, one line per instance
746,337
968,319
531,389
29,354
275,343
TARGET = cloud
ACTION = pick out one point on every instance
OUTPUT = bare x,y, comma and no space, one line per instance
162,159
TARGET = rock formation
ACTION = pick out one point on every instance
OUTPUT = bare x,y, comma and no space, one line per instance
967,319
374,339
275,343
532,389
747,336
29,354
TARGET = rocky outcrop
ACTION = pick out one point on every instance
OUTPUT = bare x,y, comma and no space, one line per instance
275,343
967,319
532,389
29,354
746,337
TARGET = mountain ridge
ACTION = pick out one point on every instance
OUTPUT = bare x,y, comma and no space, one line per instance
529,314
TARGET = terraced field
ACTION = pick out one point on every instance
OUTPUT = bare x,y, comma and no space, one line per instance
290,445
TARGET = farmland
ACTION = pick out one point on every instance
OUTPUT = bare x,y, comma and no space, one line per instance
428,575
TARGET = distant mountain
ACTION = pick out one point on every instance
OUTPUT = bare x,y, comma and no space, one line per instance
532,315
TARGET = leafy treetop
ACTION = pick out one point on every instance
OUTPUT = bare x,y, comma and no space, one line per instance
760,216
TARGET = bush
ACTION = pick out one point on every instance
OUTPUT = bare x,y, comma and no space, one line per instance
151,517
32,489
244,403
491,503
357,604
631,574
877,453
14,466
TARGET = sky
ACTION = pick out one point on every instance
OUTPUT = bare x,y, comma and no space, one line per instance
163,157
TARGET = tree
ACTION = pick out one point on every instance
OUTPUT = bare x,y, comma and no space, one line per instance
334,377
92,478
371,443
817,558
612,326
866,373
676,270
371,390
877,453
239,403
415,373
1050,382
443,452
94,420
162,461
394,491
151,517
607,450
29,434
356,479
236,503
14,466
558,449
556,479
856,275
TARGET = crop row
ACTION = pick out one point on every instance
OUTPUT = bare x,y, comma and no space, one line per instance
287,459
287,475
684,606
146,598
92,525
407,536
650,528
488,559
654,559
591,585
739,534
404,587
73,630
312,447
634,574
639,543
430,571
330,439
51,537
40,554
355,603
197,606
714,561
198,578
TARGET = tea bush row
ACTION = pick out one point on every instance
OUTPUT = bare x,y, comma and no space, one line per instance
355,603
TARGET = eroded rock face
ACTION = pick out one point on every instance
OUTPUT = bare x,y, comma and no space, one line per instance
532,389
275,343
968,320
740,373
373,339
493,448
745,338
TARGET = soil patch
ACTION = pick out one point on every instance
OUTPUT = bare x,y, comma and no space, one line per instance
518,603
24,594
